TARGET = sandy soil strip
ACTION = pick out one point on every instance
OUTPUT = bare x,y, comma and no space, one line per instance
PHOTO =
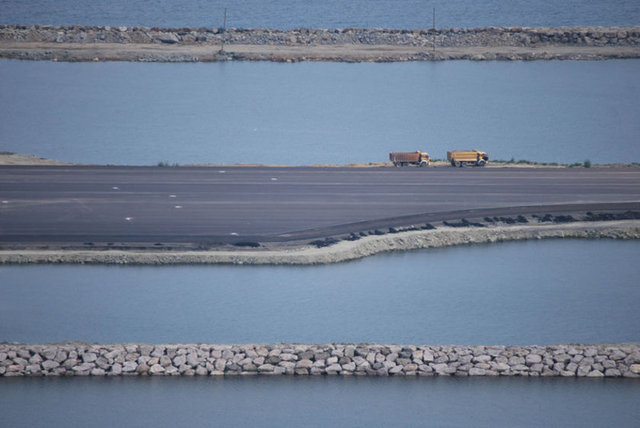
343,250
7,158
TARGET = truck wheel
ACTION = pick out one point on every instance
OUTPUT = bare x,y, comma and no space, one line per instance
481,162
453,163
459,164
424,163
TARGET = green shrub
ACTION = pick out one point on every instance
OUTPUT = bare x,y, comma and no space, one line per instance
586,163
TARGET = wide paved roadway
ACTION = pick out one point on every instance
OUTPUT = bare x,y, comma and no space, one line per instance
152,204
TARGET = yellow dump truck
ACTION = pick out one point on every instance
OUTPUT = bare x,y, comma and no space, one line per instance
467,157
412,158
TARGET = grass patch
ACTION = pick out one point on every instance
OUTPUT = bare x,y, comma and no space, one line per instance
165,164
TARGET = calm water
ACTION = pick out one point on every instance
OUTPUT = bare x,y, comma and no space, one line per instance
326,113
279,402
322,14
310,113
513,293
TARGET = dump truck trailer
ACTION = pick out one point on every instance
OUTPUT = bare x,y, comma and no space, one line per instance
411,158
467,157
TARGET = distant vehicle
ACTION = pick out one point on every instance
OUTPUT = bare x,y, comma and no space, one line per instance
461,158
411,158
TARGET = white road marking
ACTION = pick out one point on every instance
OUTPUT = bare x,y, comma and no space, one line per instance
128,218
222,172
172,196
233,234
274,179
5,202
178,206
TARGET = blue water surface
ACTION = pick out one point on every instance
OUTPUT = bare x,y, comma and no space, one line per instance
519,293
318,113
319,402
288,14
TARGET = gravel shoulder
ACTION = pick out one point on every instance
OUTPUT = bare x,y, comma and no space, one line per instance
340,252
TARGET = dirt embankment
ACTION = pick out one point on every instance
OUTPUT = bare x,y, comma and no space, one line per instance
85,43
341,251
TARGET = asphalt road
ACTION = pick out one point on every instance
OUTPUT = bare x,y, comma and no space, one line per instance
152,204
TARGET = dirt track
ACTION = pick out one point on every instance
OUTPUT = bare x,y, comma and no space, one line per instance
346,52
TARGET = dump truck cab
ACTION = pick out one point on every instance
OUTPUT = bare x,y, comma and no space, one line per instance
460,158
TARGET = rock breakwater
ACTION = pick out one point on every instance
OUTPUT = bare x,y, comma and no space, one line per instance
79,359
86,43
448,37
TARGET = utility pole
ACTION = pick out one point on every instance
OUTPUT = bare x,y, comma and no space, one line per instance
434,18
434,29
224,30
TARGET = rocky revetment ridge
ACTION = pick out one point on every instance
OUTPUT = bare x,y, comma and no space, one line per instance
80,359
91,43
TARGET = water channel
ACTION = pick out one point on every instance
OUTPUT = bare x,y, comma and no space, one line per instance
321,14
318,113
520,293
315,402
